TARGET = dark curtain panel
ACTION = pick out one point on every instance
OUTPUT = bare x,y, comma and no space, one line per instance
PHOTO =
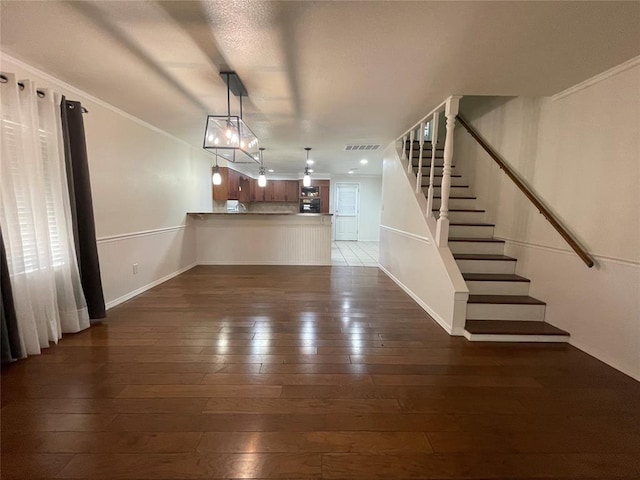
9,321
84,229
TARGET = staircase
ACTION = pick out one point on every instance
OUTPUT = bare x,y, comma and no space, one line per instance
499,306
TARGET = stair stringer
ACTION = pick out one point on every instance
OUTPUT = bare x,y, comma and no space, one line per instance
409,254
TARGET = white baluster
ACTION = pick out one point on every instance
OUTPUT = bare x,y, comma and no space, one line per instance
442,230
410,163
434,141
419,174
404,147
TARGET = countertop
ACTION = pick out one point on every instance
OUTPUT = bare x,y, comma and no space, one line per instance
264,213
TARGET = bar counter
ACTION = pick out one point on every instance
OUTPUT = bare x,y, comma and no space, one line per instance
262,238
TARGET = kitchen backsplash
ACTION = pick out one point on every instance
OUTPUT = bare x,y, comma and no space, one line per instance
289,207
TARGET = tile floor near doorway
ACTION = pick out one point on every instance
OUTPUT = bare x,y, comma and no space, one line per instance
355,254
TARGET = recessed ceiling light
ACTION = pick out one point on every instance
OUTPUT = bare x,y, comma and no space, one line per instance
350,171
364,161
310,162
271,170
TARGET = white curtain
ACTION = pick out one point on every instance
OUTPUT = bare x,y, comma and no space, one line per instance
35,217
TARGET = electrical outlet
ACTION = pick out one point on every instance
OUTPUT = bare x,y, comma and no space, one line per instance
135,268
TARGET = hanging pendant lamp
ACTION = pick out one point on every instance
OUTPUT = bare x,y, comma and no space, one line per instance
217,178
306,179
262,178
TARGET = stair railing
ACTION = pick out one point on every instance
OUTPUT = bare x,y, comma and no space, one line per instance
450,109
524,188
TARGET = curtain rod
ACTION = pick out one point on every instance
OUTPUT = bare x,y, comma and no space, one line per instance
40,93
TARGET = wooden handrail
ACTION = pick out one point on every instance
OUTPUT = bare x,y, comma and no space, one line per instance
564,233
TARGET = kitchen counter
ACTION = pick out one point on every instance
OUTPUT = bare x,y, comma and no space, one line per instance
262,238
263,213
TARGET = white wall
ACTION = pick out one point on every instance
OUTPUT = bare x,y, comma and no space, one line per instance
370,194
408,253
143,182
580,151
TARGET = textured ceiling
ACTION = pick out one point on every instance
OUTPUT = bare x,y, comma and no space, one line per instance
319,74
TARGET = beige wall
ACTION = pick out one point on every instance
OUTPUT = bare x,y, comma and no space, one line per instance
143,182
580,152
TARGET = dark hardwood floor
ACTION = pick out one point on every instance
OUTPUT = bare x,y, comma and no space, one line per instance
308,372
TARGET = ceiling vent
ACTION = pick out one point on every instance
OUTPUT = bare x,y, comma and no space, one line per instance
362,148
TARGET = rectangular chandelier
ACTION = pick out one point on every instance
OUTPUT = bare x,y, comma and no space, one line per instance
229,132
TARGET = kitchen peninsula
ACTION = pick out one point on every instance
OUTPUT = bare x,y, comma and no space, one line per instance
263,238
253,225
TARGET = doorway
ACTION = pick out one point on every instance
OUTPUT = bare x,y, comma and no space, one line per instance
346,211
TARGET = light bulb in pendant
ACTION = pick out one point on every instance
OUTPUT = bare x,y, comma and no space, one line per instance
306,179
262,180
217,178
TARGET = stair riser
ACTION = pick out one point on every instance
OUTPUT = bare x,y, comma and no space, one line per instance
477,247
437,181
498,288
462,203
516,338
475,231
503,311
486,266
465,217
454,191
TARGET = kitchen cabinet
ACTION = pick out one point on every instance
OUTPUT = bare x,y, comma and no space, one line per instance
257,193
244,189
324,198
237,186
291,190
233,185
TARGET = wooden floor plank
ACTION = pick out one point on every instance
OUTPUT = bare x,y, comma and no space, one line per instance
308,372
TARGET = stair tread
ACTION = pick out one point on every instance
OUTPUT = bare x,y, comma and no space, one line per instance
426,167
440,176
472,224
511,327
457,197
481,256
459,210
472,239
505,299
493,277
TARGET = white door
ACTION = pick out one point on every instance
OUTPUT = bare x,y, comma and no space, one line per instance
346,211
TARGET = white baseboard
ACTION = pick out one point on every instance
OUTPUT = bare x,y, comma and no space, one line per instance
439,320
144,288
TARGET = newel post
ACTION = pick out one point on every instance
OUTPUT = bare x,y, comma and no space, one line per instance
419,174
432,168
442,230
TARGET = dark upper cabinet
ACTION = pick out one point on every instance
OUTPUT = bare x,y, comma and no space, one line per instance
237,186
244,189
291,190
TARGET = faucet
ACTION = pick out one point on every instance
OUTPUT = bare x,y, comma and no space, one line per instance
241,207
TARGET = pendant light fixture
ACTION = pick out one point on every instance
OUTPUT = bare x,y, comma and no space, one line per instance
262,179
217,178
306,180
229,132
